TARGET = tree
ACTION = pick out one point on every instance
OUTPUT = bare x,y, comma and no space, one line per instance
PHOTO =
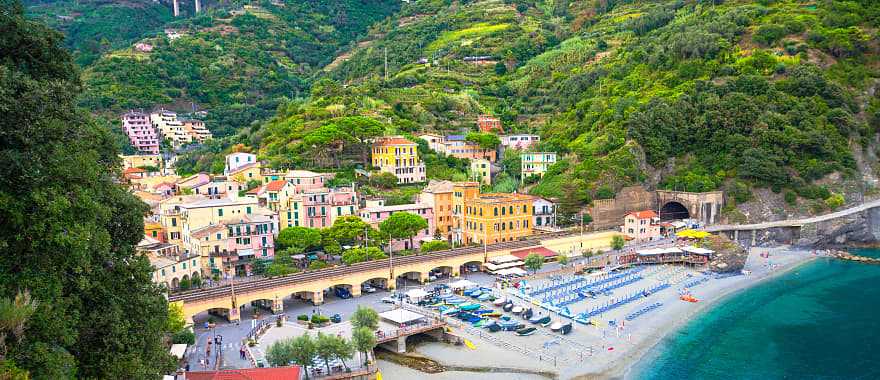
534,262
435,245
362,129
300,350
403,225
617,242
300,239
364,340
14,314
69,230
384,180
325,347
342,350
562,260
348,229
175,321
365,317
500,68
359,255
488,141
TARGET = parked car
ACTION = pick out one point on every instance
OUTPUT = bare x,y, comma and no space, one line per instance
342,293
336,318
473,268
389,300
368,288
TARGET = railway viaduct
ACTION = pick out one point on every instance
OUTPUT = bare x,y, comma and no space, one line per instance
310,285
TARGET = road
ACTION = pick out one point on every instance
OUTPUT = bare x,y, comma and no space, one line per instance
795,222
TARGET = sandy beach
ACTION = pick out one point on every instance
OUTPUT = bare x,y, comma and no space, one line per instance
591,352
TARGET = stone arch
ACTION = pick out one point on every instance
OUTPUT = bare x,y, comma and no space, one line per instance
409,277
175,283
674,210
441,271
376,282
199,317
467,266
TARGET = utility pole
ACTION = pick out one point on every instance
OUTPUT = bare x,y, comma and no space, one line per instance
386,63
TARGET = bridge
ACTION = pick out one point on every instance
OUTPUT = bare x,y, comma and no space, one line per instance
810,230
310,285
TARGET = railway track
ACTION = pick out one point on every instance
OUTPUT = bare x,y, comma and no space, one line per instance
301,277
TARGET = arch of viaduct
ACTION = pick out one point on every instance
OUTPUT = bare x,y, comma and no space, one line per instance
311,285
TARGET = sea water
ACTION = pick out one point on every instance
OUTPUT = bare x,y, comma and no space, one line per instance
819,321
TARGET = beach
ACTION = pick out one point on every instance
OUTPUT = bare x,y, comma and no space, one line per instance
591,352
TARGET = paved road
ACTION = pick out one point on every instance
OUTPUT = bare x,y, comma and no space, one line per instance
795,222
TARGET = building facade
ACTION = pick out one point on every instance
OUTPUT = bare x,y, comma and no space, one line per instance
234,161
399,156
196,130
497,218
141,134
481,171
487,123
438,195
457,146
375,215
642,225
536,163
522,141
544,213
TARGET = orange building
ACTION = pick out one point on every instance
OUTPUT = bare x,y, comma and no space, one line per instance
487,123
438,195
155,231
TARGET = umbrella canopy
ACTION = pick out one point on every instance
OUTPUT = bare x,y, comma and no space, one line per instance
461,284
692,234
416,293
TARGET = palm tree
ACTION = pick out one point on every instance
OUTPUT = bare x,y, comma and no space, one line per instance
14,314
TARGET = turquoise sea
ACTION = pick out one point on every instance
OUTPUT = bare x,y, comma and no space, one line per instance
820,321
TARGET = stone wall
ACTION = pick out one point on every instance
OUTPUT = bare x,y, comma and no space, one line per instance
609,213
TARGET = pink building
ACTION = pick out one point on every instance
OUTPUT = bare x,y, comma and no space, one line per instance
140,132
375,215
322,206
251,237
642,225
307,180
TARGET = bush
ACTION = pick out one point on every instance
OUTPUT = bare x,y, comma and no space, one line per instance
302,317
834,201
185,336
319,319
790,197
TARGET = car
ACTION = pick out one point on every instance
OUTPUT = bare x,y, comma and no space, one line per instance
473,268
342,293
368,289
388,300
336,318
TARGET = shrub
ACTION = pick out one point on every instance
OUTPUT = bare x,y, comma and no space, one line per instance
302,317
790,197
185,336
834,201
319,319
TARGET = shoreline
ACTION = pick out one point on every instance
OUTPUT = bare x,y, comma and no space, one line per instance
624,369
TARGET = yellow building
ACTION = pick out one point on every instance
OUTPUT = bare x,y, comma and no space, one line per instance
497,218
170,218
438,195
154,230
481,171
247,173
461,193
399,156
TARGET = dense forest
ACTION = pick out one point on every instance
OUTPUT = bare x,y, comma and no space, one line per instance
76,301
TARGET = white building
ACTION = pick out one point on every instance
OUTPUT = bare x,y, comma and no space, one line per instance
237,160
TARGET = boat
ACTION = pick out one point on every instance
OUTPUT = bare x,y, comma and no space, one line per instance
566,328
508,325
508,306
483,311
556,326
528,313
535,318
688,298
469,306
450,311
544,322
517,309
494,327
499,302
484,297
481,323
493,314
455,301
526,331
475,293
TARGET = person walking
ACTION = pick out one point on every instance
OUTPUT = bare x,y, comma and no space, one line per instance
241,352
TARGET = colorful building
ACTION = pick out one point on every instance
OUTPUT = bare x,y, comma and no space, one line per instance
457,146
497,218
141,161
436,142
399,156
155,231
481,171
521,141
170,128
438,195
487,123
196,130
192,182
232,245
642,225
536,163
375,215
462,192
246,173
305,179
140,132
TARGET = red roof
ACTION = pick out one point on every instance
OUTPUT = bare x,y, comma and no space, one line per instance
522,253
271,373
276,185
644,214
133,170
395,141
255,190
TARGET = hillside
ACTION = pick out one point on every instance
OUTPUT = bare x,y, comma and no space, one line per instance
683,95
236,59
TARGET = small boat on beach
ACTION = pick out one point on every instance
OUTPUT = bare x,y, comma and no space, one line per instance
566,328
526,331
499,302
484,297
528,313
556,326
469,306
517,309
544,322
493,327
688,298
493,314
508,306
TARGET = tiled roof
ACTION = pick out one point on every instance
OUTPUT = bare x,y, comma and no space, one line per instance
207,231
439,187
133,170
644,214
394,141
243,167
276,185
522,253
271,373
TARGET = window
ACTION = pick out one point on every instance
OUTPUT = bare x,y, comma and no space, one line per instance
219,212
248,209
173,222
496,211
184,266
163,271
219,236
155,233
502,210
194,263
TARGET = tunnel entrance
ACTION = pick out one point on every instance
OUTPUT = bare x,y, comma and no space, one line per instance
674,210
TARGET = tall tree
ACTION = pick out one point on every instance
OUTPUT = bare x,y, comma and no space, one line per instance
403,225
299,239
362,129
68,230
364,340
365,317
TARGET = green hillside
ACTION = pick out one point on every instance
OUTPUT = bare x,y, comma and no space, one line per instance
725,95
